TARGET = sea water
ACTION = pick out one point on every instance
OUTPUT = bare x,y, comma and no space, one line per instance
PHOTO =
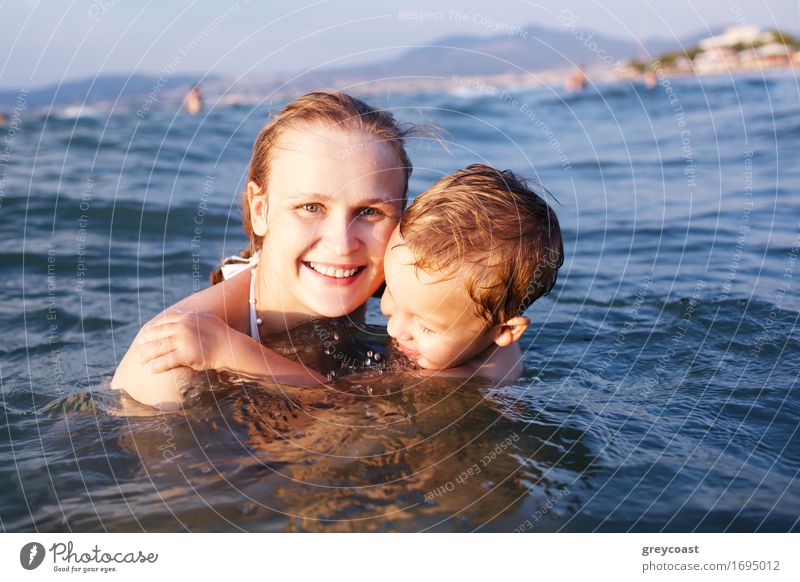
660,387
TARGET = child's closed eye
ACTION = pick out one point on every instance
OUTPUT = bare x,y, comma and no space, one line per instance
426,330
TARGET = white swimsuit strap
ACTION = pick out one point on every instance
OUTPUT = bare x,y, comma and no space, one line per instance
253,315
232,266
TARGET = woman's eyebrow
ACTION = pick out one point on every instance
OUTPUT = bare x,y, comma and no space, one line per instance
372,201
375,201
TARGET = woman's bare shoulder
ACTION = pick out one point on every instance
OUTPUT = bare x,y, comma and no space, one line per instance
227,300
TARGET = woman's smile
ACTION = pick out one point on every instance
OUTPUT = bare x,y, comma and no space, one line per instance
335,274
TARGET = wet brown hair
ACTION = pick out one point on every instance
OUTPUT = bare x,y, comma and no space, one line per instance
493,227
334,109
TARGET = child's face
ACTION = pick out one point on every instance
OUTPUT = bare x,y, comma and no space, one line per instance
333,198
433,321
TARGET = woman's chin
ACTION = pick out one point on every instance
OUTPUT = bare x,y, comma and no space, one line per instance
335,301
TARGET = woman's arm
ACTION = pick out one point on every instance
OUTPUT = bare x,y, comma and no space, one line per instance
161,388
196,334
158,389
242,354
203,341
174,347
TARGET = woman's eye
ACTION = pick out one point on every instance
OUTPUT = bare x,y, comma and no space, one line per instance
369,212
311,207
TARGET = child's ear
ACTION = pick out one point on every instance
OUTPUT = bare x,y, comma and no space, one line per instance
512,330
257,199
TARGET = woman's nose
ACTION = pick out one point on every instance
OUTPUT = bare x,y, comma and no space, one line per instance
340,236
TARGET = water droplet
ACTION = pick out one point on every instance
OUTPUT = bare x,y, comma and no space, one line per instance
369,354
335,336
377,357
328,350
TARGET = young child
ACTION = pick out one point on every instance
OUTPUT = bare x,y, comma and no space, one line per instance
327,185
469,256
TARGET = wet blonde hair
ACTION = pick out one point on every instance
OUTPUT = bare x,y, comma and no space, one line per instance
493,227
335,109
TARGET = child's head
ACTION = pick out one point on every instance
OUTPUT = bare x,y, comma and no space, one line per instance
469,256
327,185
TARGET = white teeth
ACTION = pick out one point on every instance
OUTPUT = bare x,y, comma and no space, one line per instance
333,271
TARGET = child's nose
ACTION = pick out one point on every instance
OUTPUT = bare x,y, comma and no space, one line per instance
386,305
397,328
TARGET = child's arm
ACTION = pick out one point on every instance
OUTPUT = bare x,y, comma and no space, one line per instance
170,349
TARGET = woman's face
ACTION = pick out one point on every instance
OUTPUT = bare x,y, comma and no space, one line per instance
332,199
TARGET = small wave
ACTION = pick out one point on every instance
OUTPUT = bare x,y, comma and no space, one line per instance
76,112
93,143
83,402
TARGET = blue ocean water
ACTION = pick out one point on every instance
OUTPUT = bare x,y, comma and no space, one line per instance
660,391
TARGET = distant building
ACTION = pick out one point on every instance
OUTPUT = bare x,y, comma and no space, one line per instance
742,47
716,60
736,35
739,48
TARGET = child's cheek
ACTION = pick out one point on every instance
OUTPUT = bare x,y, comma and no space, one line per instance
431,351
385,230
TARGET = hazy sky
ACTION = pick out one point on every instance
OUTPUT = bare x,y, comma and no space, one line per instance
49,41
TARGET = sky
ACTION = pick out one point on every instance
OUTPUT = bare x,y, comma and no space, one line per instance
51,41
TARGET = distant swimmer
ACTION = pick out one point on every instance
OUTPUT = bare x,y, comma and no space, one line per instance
193,102
3,118
650,79
576,81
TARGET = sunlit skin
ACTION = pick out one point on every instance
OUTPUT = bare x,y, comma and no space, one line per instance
433,319
326,213
332,199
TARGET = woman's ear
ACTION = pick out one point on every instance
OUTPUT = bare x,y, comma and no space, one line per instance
257,199
512,330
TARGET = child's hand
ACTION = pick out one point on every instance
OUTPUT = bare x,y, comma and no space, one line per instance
176,339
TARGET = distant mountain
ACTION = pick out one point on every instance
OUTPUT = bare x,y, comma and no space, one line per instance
533,48
530,49
693,40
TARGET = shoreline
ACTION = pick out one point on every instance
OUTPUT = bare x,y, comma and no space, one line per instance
456,85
